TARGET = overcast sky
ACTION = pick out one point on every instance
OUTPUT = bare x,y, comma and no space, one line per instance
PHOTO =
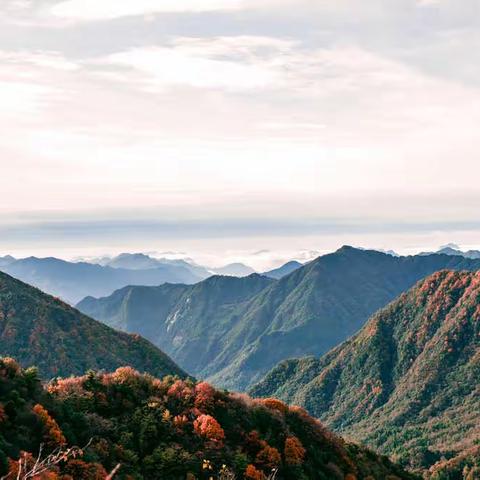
221,128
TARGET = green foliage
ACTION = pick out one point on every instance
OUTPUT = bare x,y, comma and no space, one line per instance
168,429
232,331
38,329
407,384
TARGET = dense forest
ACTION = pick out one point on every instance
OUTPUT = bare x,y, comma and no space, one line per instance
407,384
166,429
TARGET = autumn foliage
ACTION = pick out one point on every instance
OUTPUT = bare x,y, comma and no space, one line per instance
53,436
294,451
164,429
206,426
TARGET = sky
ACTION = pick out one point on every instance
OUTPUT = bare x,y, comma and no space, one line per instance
231,130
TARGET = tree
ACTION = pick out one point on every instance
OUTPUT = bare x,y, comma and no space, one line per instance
251,473
52,434
294,451
207,427
269,457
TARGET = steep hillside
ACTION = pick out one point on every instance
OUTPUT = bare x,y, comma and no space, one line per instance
192,322
170,430
408,383
40,330
74,281
234,341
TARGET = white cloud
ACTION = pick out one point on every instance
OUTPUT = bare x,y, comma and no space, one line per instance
230,63
108,9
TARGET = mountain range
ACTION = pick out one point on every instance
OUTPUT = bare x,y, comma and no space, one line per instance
73,281
453,249
233,331
408,383
40,330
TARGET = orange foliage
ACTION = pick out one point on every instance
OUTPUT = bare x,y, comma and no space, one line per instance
3,415
180,421
181,391
269,457
68,387
29,461
274,404
251,473
206,426
52,433
294,451
124,375
204,395
350,476
80,470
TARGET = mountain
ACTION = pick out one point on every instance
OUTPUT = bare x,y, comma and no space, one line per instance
452,249
40,330
133,261
408,384
7,260
284,270
234,338
140,261
234,270
166,429
192,322
74,281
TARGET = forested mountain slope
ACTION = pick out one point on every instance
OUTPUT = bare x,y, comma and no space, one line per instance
40,330
408,383
233,331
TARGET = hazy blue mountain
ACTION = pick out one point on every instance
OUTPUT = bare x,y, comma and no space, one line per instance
40,330
74,281
286,269
234,270
454,250
234,330
141,261
7,260
407,383
133,261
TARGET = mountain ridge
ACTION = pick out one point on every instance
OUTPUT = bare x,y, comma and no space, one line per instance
306,312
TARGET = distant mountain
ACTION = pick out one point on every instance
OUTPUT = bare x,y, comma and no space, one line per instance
74,281
454,250
234,270
133,261
40,330
408,383
191,322
167,429
232,331
284,270
140,261
7,260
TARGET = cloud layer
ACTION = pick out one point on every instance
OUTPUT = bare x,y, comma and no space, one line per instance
304,113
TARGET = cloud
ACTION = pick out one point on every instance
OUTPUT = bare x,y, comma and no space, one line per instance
109,9
231,63
167,67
